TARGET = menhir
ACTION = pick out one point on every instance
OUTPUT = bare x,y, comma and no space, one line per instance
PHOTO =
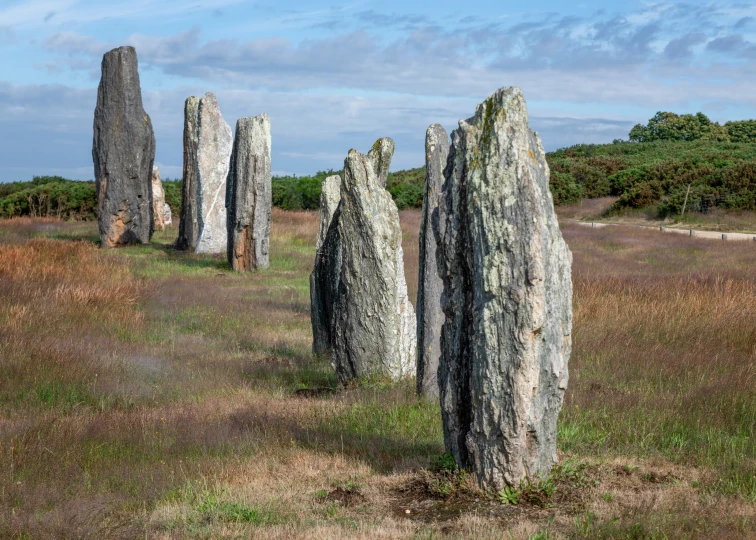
123,150
507,298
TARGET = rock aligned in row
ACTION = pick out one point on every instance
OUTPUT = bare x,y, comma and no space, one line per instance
325,276
507,298
167,215
158,201
430,318
214,144
373,332
123,151
189,220
249,196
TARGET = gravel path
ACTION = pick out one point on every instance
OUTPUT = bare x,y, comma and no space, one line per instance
688,232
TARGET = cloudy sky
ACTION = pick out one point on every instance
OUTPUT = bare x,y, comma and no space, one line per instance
335,77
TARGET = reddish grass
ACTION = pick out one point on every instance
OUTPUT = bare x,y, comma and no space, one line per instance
137,383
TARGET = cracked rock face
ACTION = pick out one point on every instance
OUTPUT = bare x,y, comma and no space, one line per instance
123,151
430,318
507,298
214,143
373,332
250,195
189,218
326,273
158,200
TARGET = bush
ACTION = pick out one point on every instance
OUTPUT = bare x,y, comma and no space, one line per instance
172,190
49,196
299,192
407,187
640,195
564,189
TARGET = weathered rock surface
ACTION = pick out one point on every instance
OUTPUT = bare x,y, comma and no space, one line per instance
167,215
373,331
214,144
381,154
250,195
158,200
325,276
123,150
507,298
430,318
189,218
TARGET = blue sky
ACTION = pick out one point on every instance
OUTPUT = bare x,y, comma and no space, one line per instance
338,76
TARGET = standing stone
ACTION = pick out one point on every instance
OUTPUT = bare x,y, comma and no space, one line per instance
250,196
430,318
167,215
507,298
214,143
189,220
123,150
325,276
158,200
373,332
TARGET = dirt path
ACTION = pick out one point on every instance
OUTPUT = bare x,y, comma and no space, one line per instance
688,232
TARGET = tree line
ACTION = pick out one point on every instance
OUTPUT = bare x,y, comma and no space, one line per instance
653,169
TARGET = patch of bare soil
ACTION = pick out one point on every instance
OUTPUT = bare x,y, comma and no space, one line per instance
606,491
347,497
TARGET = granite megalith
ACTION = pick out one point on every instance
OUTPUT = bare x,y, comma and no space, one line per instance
188,219
373,333
430,318
507,299
214,144
249,195
123,151
325,276
167,215
158,200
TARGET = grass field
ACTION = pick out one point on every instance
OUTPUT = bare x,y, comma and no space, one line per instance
145,392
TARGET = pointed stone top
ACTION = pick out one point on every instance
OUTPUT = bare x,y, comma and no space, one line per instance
374,166
509,98
381,154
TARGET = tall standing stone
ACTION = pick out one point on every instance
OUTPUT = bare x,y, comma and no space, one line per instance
158,200
373,331
430,318
214,144
326,273
250,195
189,220
123,150
507,298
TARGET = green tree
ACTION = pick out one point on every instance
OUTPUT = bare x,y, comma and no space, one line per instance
668,126
742,131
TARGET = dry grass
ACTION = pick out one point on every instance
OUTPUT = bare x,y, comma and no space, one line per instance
148,392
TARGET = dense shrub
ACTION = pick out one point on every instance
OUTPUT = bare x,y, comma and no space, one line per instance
564,188
172,189
407,187
49,196
299,192
721,174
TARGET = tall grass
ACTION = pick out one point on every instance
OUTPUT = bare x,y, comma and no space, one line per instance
149,392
